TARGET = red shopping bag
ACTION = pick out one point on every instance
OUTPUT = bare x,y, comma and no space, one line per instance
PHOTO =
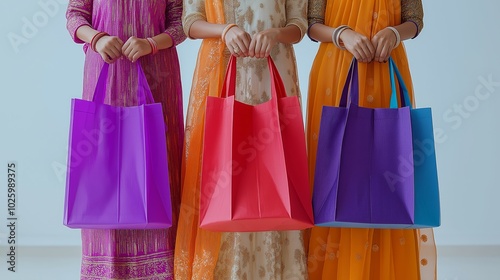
254,170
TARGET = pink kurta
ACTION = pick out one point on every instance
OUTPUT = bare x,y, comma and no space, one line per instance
135,254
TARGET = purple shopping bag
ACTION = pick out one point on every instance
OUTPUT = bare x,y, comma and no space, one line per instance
117,174
359,149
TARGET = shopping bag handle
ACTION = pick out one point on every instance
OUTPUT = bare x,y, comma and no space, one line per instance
350,92
144,95
404,96
351,85
229,86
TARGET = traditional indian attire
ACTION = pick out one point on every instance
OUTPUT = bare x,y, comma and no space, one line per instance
368,254
202,254
135,254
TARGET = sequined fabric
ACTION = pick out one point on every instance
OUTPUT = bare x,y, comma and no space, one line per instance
202,254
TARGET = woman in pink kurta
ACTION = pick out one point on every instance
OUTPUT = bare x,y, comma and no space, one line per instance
133,254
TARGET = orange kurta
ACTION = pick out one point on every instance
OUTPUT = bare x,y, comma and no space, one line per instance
355,254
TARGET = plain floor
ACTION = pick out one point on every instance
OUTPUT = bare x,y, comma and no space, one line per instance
63,263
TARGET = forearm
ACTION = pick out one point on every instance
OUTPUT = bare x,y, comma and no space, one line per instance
412,11
163,41
289,34
407,30
321,32
86,33
201,29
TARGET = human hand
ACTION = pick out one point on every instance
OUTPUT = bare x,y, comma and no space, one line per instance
109,47
359,45
263,42
237,41
135,48
384,42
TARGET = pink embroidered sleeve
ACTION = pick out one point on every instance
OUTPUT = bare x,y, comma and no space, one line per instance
174,21
79,13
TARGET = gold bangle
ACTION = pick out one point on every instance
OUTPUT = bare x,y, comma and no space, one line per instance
226,29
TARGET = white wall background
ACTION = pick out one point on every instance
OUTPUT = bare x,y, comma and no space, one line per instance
451,61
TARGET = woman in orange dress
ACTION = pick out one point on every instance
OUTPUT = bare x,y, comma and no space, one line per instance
370,31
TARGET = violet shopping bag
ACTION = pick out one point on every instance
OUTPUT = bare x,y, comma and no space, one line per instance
254,166
117,174
365,173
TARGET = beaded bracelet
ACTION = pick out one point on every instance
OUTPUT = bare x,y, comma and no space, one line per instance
398,37
154,46
96,38
226,29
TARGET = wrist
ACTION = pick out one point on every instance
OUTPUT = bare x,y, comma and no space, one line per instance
279,34
95,38
337,41
225,30
153,45
396,33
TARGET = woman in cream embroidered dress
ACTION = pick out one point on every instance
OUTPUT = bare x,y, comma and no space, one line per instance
272,26
363,254
133,254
